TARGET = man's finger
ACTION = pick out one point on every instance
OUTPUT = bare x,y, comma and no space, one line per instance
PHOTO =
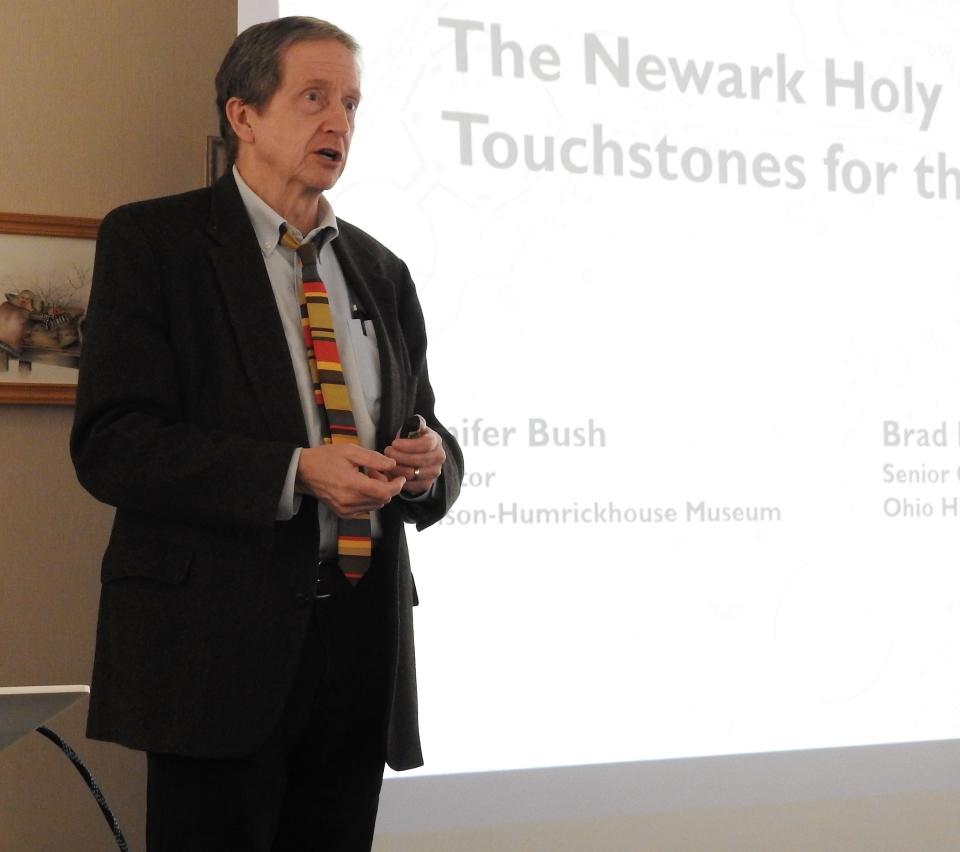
424,443
369,459
379,489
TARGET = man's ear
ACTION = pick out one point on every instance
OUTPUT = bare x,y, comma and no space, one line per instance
239,115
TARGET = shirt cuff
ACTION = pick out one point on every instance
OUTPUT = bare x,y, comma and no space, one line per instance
290,502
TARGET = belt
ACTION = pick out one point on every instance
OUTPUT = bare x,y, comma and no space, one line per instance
330,580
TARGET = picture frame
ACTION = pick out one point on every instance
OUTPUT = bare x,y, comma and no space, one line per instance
216,159
46,263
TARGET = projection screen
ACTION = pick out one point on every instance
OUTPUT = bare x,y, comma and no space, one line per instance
689,276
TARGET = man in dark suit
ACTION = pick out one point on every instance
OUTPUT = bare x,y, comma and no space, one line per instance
266,688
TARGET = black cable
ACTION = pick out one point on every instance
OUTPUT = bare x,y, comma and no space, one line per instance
88,778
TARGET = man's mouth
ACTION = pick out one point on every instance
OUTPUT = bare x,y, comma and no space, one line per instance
330,154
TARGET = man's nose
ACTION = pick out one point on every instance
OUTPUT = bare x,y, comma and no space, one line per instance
336,119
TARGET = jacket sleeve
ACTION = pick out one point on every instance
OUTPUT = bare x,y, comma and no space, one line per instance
139,441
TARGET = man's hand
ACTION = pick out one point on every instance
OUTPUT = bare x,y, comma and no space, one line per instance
349,479
419,460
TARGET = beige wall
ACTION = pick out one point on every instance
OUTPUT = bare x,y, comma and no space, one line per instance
104,101
101,102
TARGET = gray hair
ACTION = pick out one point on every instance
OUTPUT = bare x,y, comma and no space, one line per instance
251,69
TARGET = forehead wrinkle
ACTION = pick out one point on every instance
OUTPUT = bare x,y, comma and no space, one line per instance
319,71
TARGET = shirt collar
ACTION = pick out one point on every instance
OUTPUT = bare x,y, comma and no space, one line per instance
267,223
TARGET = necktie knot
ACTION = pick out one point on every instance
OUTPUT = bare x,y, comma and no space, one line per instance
309,260
307,251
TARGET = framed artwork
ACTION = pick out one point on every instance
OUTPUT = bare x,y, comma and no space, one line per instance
45,268
216,159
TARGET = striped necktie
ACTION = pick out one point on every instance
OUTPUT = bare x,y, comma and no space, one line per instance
337,425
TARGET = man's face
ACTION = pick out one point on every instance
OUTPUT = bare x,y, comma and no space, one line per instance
302,135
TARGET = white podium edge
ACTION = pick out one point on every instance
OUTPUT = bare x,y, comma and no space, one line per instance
23,709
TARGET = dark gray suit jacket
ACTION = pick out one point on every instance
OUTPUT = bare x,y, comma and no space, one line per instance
187,415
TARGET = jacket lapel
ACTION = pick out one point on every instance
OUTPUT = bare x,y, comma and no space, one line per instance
365,279
252,308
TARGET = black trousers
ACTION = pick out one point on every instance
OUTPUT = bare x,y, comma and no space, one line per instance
315,784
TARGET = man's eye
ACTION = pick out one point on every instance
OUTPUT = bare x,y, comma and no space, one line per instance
313,96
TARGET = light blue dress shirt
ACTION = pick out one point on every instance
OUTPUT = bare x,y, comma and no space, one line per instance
356,341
